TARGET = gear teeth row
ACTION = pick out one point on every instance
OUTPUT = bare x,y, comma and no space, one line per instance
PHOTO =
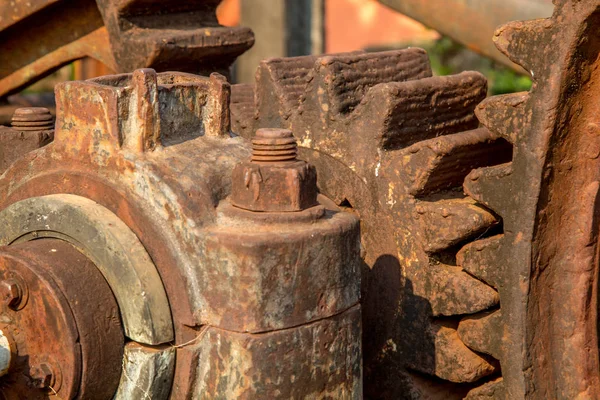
443,162
479,259
338,81
450,222
282,81
346,78
454,292
483,333
482,184
506,115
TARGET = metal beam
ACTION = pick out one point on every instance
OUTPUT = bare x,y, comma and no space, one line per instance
472,22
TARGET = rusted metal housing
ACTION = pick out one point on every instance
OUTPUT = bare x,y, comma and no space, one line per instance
259,304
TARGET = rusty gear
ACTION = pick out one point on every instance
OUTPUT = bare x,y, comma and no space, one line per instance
545,263
40,36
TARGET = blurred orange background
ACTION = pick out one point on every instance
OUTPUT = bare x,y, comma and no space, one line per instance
352,24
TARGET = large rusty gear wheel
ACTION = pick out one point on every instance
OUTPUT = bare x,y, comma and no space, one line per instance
394,144
502,275
545,264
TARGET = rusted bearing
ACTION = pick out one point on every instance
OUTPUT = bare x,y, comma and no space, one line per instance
66,337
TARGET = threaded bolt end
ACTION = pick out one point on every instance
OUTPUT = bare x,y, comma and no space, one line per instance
32,119
274,146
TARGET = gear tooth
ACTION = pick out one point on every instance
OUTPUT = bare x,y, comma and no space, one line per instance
406,113
454,292
280,83
242,108
488,391
483,333
443,162
518,41
449,222
482,184
480,259
454,361
505,115
345,78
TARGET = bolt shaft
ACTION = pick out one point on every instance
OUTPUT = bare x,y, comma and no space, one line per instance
274,146
32,119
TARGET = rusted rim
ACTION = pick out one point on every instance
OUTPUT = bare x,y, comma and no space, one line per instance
118,254
111,245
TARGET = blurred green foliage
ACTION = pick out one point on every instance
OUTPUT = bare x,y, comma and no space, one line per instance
448,57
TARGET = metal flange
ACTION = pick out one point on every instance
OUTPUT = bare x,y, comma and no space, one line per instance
61,331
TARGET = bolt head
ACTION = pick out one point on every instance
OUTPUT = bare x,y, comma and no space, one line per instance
274,188
10,293
42,376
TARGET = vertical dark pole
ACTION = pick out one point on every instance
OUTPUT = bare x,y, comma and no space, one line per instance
283,28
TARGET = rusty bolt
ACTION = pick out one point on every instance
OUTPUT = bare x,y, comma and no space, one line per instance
11,293
42,376
32,119
274,180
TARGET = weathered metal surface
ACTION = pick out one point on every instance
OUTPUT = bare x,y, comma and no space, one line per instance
319,360
393,144
63,321
124,35
33,127
155,152
147,372
472,23
308,271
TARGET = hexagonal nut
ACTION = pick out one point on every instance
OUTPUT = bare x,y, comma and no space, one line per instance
42,376
10,292
274,187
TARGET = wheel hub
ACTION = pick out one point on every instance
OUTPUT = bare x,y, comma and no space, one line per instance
61,331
